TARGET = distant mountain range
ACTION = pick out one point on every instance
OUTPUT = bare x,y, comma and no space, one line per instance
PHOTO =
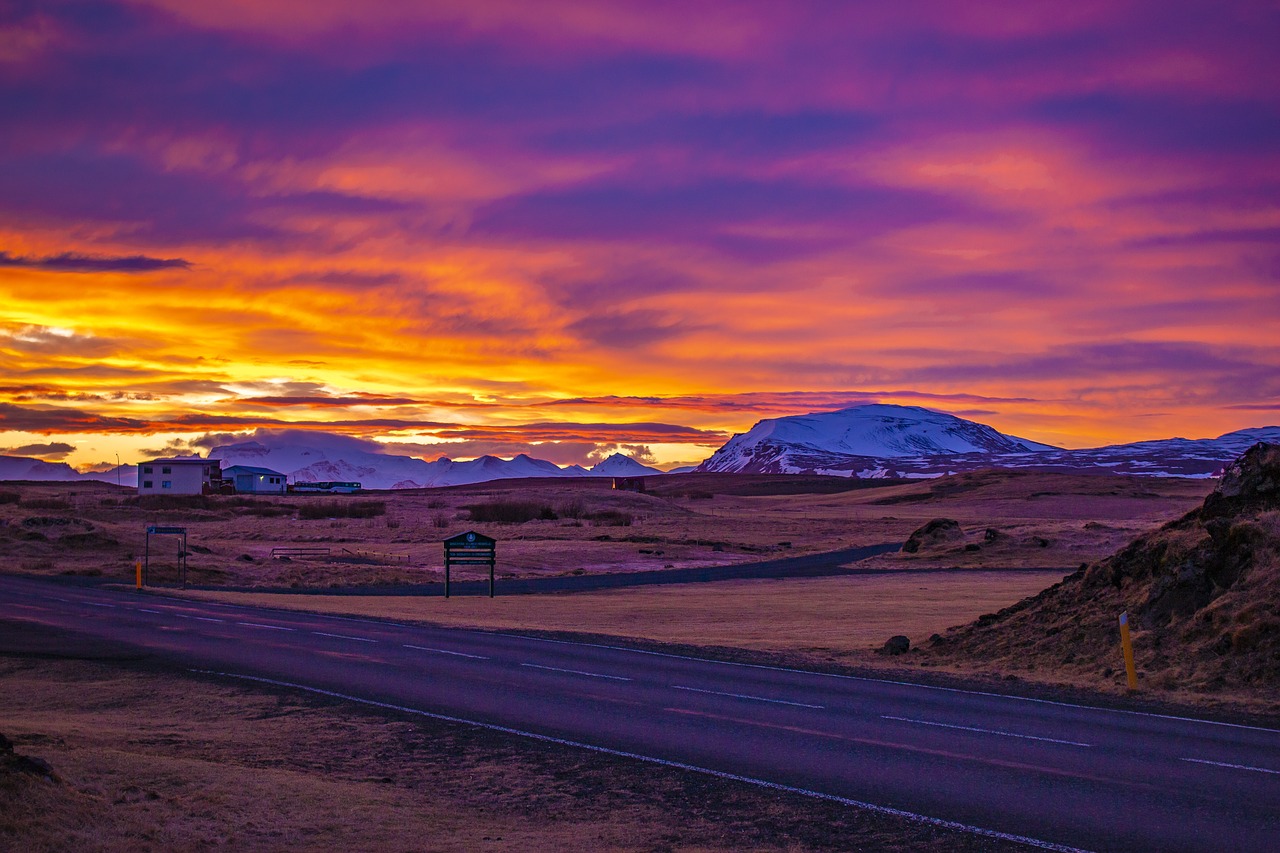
332,457
23,468
908,441
863,441
314,457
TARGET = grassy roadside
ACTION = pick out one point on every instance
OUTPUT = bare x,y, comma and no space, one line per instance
813,622
834,619
148,760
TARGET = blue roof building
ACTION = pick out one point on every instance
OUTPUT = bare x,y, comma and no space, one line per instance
251,480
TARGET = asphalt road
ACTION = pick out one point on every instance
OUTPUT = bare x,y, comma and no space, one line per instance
1056,775
825,564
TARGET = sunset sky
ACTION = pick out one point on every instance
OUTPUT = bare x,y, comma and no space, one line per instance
566,228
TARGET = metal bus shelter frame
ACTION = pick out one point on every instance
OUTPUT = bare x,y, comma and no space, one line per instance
182,554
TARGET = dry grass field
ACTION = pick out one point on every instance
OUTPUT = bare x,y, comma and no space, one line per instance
148,761
582,526
839,619
1014,519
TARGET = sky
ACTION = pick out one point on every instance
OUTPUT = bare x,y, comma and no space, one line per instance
567,228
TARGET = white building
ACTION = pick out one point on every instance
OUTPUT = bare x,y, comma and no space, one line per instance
184,476
252,480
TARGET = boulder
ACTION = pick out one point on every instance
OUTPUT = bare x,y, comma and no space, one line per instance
937,532
11,761
1254,476
896,646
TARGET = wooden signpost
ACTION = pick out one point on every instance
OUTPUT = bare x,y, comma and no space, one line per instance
469,549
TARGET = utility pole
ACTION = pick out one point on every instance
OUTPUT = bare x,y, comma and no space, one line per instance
117,470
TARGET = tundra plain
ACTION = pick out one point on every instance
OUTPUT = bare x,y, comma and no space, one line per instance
1019,533
153,759
583,526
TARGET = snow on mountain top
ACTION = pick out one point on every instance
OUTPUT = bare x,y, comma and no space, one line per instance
881,431
1253,435
620,465
315,456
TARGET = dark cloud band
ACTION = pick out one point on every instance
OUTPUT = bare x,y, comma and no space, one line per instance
75,262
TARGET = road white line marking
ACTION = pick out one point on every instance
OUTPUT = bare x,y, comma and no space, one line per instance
344,637
96,604
745,696
869,680
719,774
808,672
576,672
1233,766
145,610
984,731
445,652
208,619
268,627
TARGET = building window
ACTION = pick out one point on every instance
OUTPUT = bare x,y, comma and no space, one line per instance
146,484
146,469
166,470
167,484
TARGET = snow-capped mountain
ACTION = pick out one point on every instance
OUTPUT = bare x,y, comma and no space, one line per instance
1173,457
446,472
859,437
864,441
311,457
908,441
620,465
316,457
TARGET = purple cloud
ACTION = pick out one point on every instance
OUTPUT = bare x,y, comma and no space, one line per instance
53,450
705,211
76,262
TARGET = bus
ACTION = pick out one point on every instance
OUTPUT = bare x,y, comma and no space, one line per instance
324,488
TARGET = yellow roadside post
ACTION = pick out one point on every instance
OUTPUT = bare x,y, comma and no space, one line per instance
1127,645
137,570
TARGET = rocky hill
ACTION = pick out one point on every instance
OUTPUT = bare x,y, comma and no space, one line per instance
1202,593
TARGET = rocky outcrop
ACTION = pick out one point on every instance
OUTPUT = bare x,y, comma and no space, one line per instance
12,762
1202,592
1254,478
939,531
898,645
